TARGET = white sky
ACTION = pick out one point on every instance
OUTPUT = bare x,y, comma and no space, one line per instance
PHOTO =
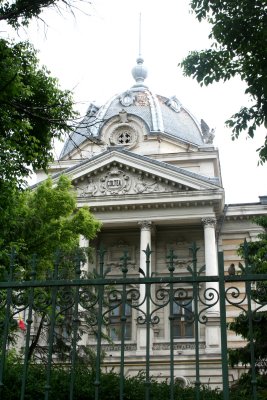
93,54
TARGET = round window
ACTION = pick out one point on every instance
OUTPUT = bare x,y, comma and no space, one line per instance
124,137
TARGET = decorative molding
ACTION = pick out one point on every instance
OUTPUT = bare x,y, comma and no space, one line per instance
209,222
156,346
178,346
127,98
114,182
141,100
87,190
145,225
143,185
116,347
174,104
124,135
123,116
118,180
208,134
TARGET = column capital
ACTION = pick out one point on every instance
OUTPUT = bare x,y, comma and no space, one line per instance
145,225
209,222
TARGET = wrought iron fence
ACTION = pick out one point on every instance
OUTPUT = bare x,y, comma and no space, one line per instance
62,318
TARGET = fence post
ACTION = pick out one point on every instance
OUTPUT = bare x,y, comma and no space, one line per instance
6,323
223,327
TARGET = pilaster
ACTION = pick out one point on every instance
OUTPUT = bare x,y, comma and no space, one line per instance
213,342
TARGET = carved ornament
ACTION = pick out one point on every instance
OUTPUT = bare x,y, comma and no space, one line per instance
174,104
142,100
209,221
114,182
127,98
145,225
118,180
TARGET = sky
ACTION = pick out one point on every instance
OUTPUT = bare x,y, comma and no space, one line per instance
93,52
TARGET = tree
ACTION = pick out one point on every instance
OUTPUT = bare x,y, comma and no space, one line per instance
33,109
19,12
239,48
33,112
46,219
252,326
42,222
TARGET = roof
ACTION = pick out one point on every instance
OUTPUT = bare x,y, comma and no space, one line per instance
160,114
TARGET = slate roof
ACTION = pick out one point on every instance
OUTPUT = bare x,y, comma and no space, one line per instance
156,112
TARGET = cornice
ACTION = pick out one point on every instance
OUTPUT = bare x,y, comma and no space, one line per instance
152,201
245,211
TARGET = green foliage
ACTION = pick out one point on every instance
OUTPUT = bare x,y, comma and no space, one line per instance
243,355
84,385
239,48
20,12
255,253
33,112
255,256
242,389
45,220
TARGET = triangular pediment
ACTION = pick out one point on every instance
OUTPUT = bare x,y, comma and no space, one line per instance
120,172
120,179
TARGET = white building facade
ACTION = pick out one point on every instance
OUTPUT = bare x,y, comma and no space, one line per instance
151,174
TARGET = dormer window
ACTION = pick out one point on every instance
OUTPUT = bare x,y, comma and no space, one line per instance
123,136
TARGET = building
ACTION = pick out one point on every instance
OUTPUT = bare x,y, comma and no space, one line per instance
150,172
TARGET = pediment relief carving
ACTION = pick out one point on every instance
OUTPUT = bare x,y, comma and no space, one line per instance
119,180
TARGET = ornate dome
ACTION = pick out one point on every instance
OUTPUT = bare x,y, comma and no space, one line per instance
160,115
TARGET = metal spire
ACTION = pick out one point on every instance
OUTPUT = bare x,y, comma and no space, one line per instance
139,72
140,31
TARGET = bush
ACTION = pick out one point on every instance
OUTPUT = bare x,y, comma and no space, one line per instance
134,387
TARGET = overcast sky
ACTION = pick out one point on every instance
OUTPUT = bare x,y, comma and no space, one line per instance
93,54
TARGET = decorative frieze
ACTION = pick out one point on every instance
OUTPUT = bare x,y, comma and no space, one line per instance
147,186
115,347
156,346
118,180
178,346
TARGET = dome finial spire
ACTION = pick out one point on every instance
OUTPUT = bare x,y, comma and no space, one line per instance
140,32
139,71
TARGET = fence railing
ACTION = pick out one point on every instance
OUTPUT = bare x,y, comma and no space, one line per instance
63,319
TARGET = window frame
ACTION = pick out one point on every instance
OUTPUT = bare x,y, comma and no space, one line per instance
182,319
115,321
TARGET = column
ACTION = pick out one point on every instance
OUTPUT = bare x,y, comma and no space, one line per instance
212,288
210,246
145,239
83,242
